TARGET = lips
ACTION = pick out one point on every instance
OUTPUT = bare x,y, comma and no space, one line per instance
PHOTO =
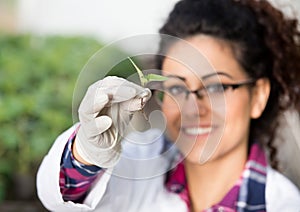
196,131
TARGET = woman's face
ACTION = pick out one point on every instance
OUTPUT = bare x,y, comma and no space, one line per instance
215,124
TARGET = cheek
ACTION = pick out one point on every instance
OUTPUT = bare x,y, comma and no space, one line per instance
173,120
239,109
237,120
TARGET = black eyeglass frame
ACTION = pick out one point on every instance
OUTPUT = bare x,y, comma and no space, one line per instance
225,86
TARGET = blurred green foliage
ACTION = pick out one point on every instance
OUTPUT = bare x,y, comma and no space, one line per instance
37,79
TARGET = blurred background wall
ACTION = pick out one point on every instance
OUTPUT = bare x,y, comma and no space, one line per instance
107,20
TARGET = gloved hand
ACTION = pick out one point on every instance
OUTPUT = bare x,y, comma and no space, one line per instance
104,112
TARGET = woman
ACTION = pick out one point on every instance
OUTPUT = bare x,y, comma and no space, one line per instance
221,119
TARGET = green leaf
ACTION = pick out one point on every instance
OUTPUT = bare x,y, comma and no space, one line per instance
143,80
155,77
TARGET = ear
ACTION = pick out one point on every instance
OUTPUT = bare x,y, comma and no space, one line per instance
259,98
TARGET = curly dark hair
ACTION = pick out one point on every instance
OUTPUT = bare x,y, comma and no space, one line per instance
266,44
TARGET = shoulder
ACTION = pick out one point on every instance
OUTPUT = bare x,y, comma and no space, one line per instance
281,193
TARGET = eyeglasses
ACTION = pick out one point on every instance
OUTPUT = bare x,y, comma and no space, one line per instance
176,90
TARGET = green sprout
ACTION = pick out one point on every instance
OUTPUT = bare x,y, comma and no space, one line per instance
144,79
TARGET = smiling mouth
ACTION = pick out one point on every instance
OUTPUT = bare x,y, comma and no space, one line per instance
196,131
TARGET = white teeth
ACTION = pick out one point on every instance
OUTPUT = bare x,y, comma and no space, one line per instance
197,130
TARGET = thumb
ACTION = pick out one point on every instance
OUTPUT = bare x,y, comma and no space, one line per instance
97,126
103,123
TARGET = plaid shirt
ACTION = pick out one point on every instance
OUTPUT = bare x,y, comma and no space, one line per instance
75,178
248,194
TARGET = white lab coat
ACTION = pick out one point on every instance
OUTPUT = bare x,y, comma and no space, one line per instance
140,187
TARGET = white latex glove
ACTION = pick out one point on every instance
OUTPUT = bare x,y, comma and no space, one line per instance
104,112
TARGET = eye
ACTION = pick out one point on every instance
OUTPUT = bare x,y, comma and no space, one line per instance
216,88
176,90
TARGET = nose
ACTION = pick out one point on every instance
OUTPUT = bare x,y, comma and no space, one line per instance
198,94
194,105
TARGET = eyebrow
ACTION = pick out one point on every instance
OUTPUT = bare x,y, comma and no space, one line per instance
217,73
205,76
176,76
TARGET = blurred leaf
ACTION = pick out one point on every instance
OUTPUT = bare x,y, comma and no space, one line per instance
9,138
37,79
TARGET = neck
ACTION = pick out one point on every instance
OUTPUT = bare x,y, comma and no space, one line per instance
208,183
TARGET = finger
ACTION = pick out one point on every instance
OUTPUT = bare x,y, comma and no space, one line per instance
145,94
97,126
122,89
103,123
92,104
120,93
138,102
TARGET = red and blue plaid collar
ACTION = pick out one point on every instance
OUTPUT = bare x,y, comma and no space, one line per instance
248,194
